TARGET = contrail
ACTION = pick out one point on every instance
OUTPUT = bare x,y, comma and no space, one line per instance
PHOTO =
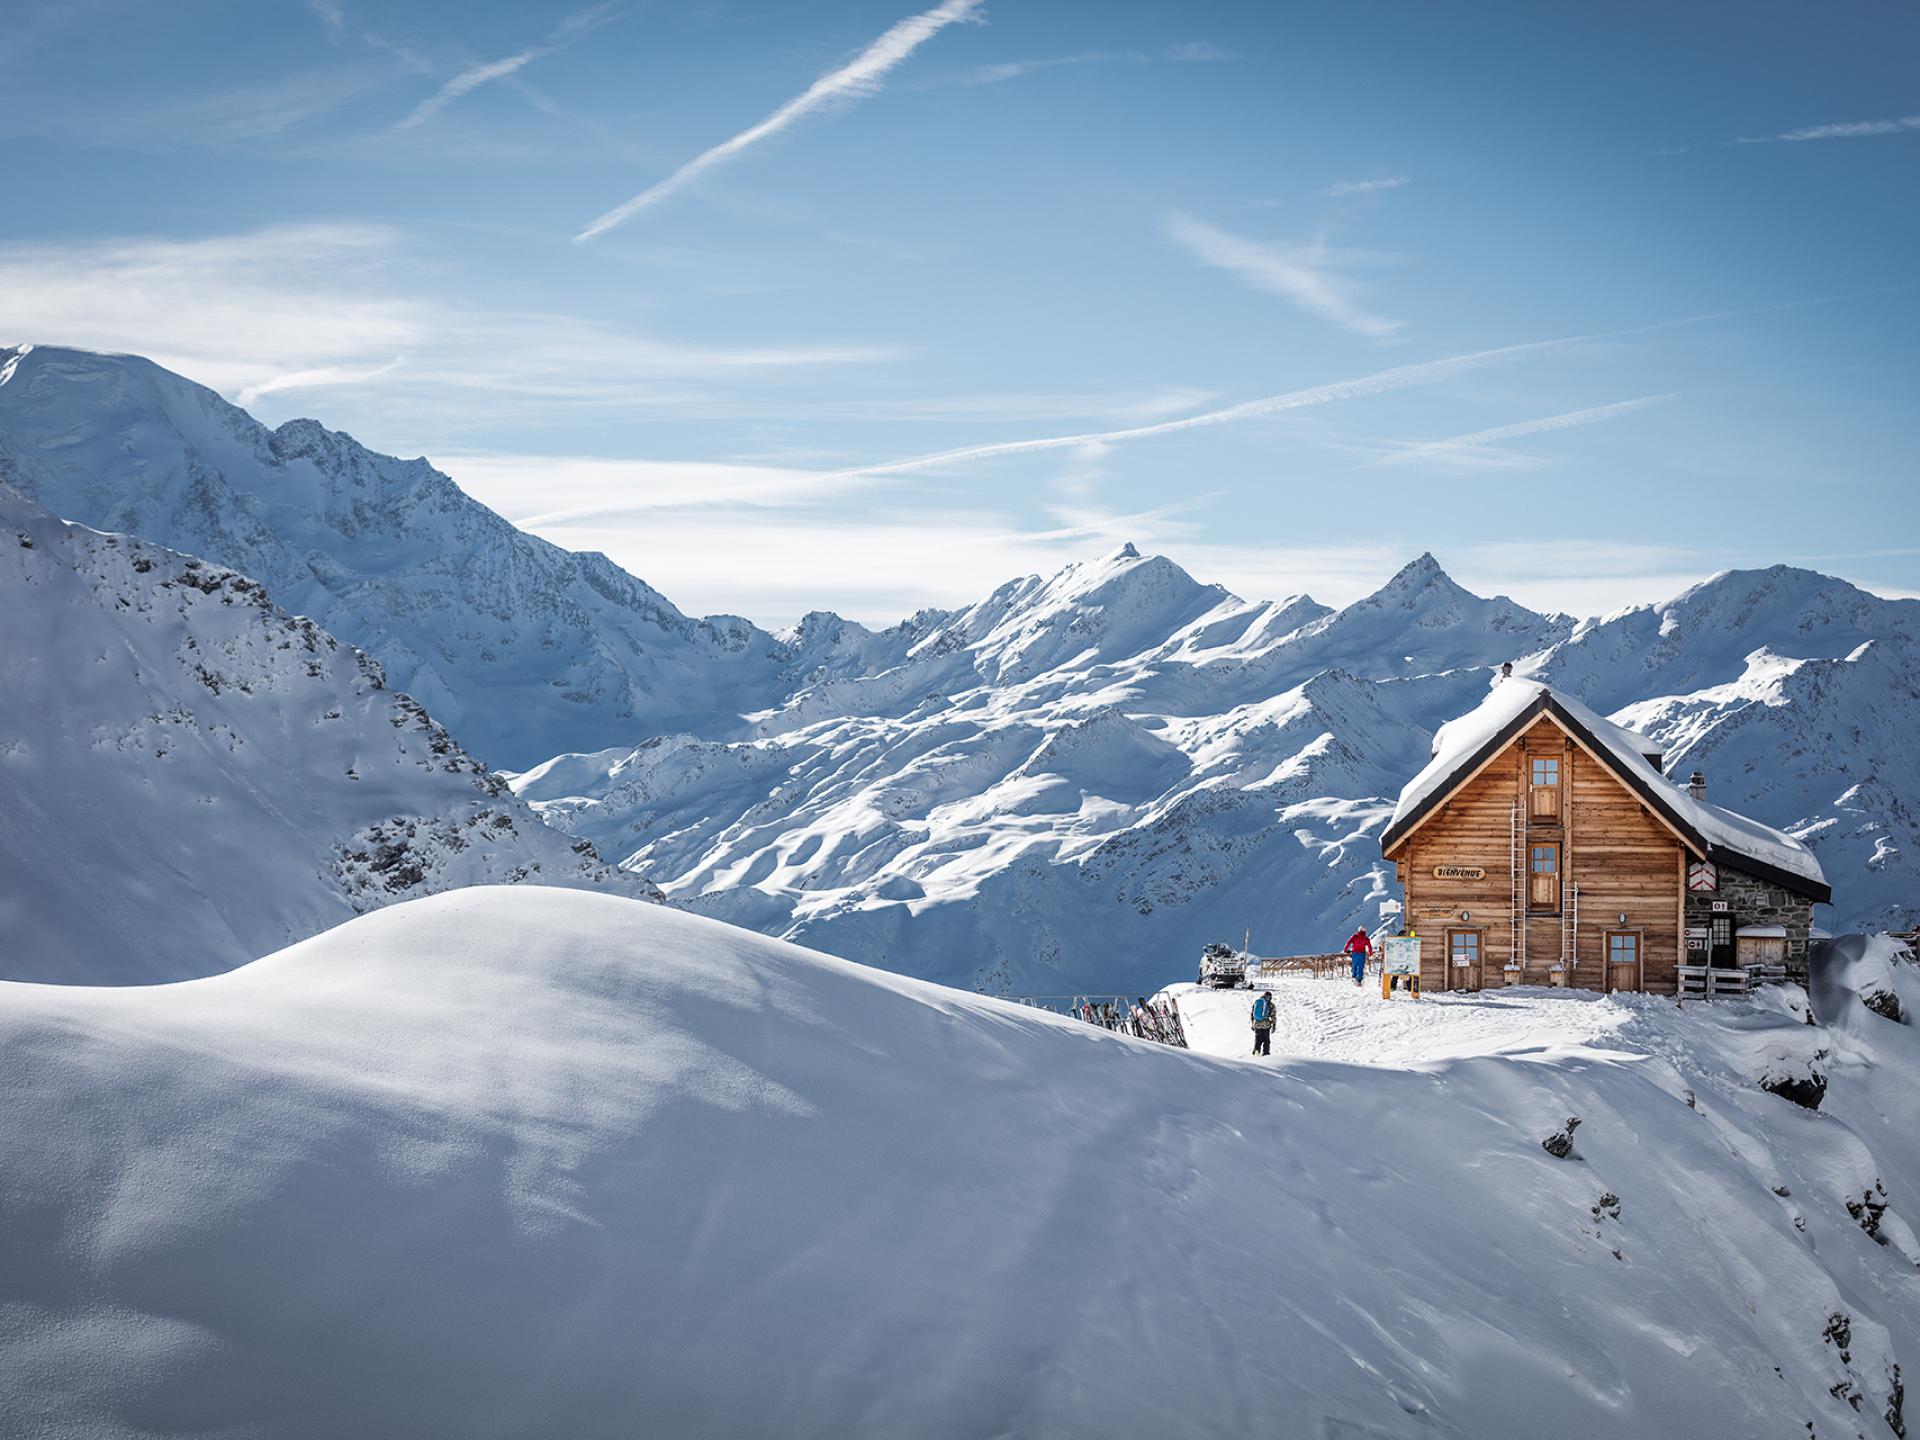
564,34
860,76
1400,377
1428,449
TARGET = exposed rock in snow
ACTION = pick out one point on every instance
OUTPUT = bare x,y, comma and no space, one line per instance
193,777
533,1162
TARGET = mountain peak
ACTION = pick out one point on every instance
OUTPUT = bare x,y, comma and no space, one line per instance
1417,578
1424,567
1125,552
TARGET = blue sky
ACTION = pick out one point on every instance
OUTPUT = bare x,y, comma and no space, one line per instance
866,307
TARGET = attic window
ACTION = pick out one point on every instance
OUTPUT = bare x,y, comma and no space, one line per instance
1544,787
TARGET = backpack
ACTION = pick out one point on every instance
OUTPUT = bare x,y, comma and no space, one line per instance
1262,1010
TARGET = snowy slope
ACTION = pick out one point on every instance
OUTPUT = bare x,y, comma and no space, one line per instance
190,777
522,648
520,1162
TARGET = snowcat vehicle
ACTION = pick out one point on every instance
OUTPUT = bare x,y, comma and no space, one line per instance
1222,967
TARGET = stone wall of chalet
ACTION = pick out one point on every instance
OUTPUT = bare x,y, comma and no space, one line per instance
1753,901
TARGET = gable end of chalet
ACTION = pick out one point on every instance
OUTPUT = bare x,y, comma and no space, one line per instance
1649,793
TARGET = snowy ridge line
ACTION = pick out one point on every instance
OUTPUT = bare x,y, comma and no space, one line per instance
194,777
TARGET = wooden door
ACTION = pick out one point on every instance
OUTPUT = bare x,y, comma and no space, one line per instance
1464,960
1623,960
1543,786
1543,877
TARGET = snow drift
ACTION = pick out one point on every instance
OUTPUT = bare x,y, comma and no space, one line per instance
516,1162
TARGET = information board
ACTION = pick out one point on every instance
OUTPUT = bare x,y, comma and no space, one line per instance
1400,954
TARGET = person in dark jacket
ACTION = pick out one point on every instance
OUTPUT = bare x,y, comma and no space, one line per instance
1359,947
1263,1017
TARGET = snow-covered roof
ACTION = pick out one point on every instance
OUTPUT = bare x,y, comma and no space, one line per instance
1462,744
1761,932
1515,696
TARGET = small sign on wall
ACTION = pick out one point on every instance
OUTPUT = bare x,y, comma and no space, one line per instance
1459,872
1719,907
1703,875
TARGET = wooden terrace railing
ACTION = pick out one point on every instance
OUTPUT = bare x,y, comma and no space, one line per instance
1319,967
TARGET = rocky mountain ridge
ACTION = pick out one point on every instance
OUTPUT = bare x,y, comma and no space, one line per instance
192,776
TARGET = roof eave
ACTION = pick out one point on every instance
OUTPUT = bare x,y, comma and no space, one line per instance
1818,891
1542,704
1393,835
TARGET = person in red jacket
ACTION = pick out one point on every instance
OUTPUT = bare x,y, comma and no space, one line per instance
1359,947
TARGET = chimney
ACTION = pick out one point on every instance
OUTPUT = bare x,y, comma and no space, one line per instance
1697,785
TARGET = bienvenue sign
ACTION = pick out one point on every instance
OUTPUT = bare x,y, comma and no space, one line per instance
1459,872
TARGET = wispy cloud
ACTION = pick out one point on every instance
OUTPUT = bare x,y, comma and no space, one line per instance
317,377
859,77
1191,52
472,78
1200,50
876,562
290,309
548,491
1400,377
1014,69
264,110
1477,451
1850,130
1303,276
1340,189
331,17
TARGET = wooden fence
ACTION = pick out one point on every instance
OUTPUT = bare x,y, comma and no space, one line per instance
1318,967
1709,982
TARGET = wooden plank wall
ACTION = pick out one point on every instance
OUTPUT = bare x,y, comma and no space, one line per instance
1626,861
1622,858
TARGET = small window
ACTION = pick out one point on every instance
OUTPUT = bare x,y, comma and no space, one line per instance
1546,859
1464,947
1544,771
1623,960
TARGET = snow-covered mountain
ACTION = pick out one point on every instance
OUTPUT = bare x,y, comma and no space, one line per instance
520,1162
522,648
1069,785
191,777
1077,782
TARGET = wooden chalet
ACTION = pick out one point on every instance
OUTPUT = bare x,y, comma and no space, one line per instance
1543,845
